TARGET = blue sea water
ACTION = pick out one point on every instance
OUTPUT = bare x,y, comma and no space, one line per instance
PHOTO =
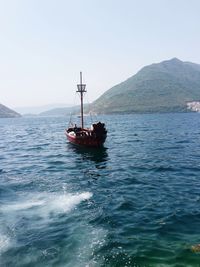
134,203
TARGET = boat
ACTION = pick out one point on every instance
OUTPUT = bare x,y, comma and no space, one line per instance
94,136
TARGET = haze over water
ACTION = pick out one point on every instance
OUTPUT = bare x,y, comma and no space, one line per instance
134,203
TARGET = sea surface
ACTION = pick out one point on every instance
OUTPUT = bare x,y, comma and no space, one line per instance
136,202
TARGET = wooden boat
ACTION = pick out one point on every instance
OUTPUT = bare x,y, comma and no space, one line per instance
94,136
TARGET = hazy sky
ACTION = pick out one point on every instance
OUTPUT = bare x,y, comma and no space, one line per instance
45,43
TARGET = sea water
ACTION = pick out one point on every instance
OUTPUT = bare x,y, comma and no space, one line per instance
135,202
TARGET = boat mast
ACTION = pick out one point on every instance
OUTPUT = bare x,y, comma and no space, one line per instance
81,90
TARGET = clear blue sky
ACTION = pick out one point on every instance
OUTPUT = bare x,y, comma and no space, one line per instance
45,43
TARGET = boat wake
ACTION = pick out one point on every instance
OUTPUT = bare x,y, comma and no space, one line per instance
46,204
4,242
32,214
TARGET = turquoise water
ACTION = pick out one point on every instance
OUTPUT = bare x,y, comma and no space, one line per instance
134,203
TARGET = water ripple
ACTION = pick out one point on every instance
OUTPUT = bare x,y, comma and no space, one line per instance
133,203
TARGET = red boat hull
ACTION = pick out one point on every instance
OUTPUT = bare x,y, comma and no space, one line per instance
88,141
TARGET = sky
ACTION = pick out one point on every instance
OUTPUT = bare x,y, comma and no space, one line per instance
44,44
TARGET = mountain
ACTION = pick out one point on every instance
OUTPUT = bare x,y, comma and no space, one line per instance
57,112
61,111
39,109
6,112
163,87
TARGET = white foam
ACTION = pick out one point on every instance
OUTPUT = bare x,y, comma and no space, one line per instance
90,240
47,203
66,202
4,242
21,206
45,207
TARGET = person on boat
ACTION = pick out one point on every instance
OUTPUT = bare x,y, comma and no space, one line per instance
75,128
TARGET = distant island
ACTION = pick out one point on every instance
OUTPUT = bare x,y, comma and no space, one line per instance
6,112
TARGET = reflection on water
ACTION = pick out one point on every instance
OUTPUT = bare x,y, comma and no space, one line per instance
99,155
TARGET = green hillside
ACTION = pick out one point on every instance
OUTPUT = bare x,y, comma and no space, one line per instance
6,112
162,87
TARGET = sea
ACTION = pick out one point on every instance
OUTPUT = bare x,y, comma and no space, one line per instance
133,203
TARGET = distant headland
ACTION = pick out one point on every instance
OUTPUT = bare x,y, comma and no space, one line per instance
6,112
